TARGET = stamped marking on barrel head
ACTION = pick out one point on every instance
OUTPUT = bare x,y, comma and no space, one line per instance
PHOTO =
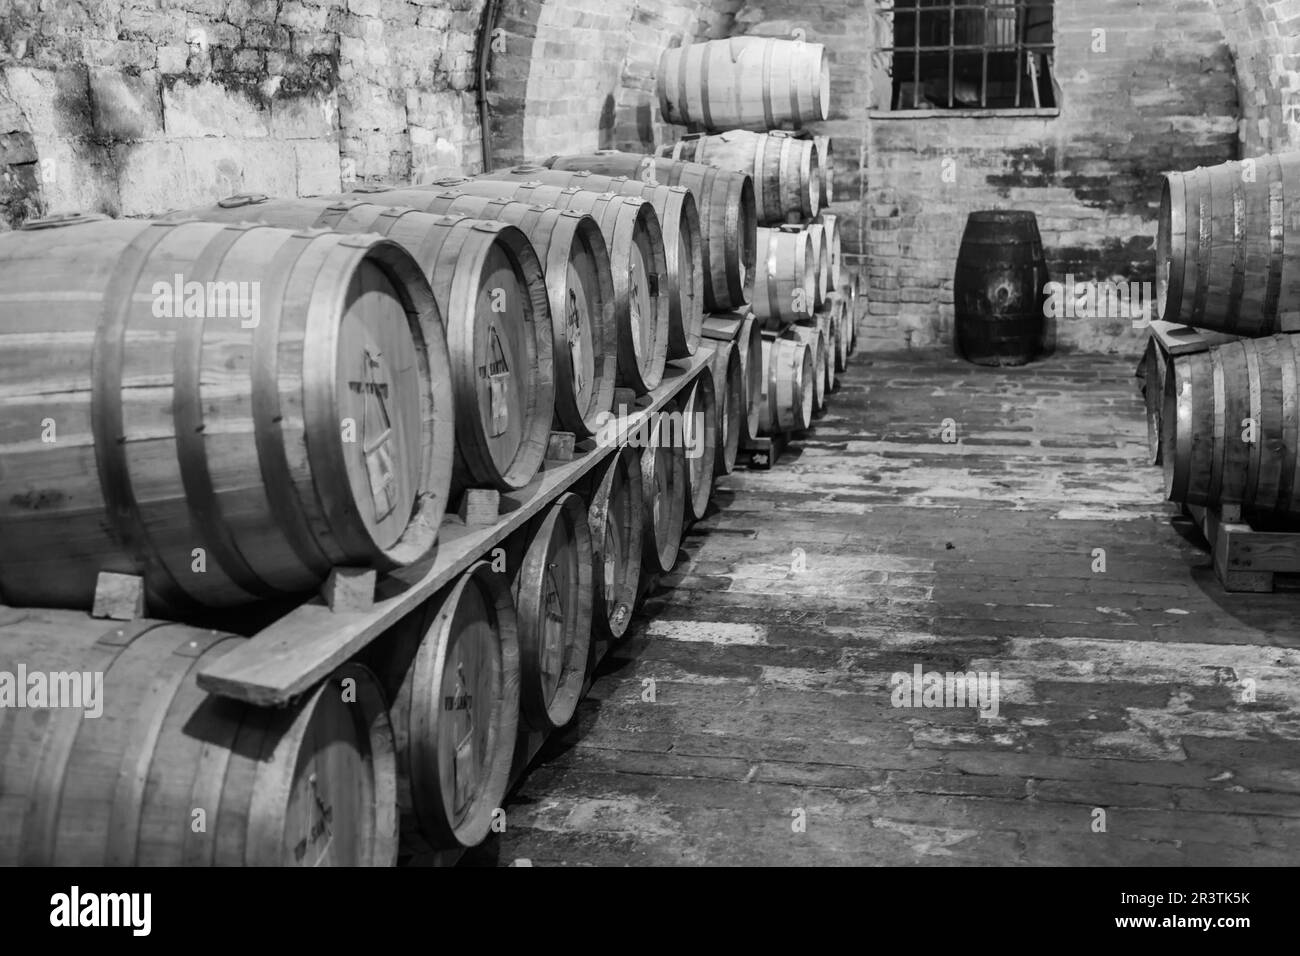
497,373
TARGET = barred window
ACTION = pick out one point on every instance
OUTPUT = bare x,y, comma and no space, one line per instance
971,54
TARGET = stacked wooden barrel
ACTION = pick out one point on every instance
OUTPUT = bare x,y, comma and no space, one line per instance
249,403
155,772
1223,404
743,331
323,381
634,238
616,520
789,384
755,83
192,429
1226,247
683,240
580,291
725,201
1231,427
748,103
664,489
451,674
491,289
553,598
787,175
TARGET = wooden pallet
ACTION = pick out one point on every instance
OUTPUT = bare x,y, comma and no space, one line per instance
289,657
1245,560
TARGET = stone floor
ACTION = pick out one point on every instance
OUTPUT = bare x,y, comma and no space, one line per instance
1142,698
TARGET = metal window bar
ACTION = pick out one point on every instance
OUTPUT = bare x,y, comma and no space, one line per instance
916,62
1004,27
952,53
1020,53
984,74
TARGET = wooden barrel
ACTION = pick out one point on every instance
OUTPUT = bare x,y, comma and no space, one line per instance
166,775
1154,369
841,329
855,302
1207,400
786,277
825,322
663,482
451,672
729,387
821,247
832,223
1226,247
786,171
616,517
998,291
725,202
679,219
150,428
758,83
815,338
743,329
492,293
826,163
579,285
699,426
636,249
788,383
553,603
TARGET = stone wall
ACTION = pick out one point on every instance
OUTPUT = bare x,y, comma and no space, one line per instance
576,75
1265,39
138,107
1143,88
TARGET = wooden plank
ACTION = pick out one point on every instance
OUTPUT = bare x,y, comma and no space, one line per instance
118,597
1267,551
351,589
559,447
1226,537
1183,340
301,648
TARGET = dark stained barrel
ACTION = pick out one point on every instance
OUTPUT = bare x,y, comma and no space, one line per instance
998,292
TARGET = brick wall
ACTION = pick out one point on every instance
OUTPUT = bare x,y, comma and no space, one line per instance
574,75
1162,95
1265,39
137,107
844,28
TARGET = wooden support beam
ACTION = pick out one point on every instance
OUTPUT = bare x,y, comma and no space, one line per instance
480,507
118,597
297,651
349,589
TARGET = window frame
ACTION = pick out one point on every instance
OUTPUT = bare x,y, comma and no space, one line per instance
1026,53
